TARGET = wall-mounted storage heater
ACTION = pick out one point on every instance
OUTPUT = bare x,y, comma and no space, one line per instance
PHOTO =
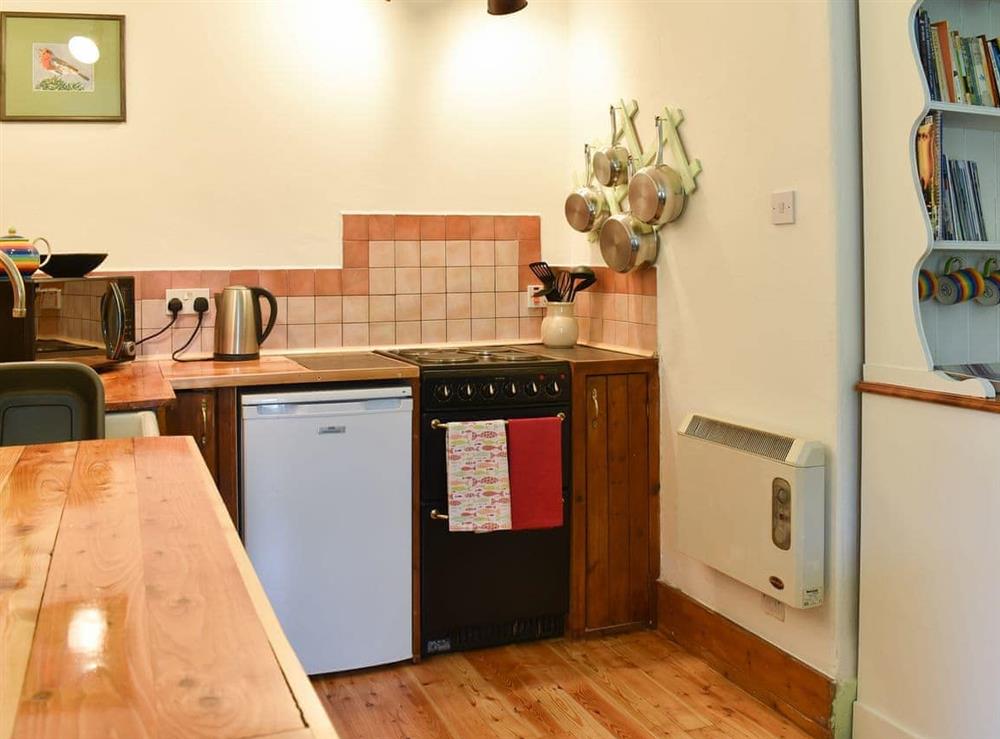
751,504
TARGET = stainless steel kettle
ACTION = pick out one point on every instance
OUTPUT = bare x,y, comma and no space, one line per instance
238,321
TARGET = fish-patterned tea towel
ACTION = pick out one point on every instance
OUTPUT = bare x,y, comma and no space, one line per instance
478,480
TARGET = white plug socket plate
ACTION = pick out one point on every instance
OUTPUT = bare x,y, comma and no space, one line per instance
534,296
783,207
187,297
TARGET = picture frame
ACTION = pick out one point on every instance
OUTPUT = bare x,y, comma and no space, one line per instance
62,67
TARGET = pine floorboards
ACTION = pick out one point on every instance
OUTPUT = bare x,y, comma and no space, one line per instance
631,685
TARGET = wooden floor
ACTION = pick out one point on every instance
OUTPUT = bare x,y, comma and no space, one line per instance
632,685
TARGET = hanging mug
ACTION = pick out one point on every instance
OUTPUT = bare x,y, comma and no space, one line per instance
991,279
961,285
927,285
23,252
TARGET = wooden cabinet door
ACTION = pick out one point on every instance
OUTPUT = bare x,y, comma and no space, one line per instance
210,416
617,583
193,414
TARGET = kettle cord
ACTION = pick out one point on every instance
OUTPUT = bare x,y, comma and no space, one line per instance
197,330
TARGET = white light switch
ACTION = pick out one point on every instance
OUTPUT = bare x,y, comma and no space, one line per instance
783,207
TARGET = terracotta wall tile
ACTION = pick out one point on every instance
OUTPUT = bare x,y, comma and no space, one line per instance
459,329
185,278
459,305
381,254
407,332
329,309
483,329
275,280
355,227
215,280
355,334
483,253
245,277
459,279
329,282
329,335
155,285
528,251
433,307
355,309
433,254
481,227
382,281
381,308
407,253
506,279
525,277
483,305
407,228
407,280
457,253
529,227
483,279
434,332
355,254
506,253
301,282
408,307
432,228
507,329
302,336
301,310
381,334
355,281
381,227
433,280
505,228
457,227
648,281
507,304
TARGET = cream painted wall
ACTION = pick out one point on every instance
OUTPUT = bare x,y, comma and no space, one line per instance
252,125
758,323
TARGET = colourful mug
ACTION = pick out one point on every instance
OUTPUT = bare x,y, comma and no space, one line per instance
927,285
23,252
991,276
960,285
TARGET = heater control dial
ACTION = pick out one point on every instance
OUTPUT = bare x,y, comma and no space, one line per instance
510,388
443,392
467,391
531,388
489,390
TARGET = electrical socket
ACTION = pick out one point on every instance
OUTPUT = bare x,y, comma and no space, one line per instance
534,296
187,297
772,606
783,207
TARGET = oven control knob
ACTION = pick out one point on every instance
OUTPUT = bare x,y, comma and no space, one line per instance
510,389
531,388
553,387
466,392
490,390
128,349
443,392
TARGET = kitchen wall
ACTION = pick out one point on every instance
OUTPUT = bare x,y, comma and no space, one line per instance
757,323
253,125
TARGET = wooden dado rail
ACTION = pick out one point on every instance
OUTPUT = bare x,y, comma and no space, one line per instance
929,396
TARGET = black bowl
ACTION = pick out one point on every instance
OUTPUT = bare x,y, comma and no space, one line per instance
72,265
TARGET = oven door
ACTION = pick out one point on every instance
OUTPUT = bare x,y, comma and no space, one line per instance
480,590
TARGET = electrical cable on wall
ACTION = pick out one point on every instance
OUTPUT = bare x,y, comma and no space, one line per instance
174,306
200,307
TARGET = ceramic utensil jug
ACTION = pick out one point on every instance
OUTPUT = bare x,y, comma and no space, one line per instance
23,251
238,321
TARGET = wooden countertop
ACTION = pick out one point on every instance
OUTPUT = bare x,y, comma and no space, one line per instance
128,606
149,385
987,405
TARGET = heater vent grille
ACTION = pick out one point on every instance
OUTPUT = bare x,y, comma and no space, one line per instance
757,442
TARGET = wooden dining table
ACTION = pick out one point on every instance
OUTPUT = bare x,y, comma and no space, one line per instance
128,606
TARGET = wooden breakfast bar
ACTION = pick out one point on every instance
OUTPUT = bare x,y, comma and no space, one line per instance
128,606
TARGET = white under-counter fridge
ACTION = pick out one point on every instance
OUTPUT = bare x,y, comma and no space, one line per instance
327,506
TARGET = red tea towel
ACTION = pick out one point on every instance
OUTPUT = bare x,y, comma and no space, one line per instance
534,457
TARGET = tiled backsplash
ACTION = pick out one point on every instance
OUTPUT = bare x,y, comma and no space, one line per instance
411,279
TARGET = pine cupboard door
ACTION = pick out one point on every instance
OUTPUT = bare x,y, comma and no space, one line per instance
210,417
618,501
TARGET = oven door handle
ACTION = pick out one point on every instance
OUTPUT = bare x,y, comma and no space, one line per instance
435,516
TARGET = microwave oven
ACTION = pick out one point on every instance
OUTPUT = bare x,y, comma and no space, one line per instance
90,320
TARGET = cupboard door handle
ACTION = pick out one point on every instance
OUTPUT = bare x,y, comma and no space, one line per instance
204,421
435,516
597,406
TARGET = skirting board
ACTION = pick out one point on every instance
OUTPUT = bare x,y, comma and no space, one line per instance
869,724
798,692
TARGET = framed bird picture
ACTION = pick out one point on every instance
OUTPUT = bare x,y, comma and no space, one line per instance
62,67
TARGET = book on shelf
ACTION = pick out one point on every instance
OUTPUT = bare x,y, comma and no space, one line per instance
958,69
950,187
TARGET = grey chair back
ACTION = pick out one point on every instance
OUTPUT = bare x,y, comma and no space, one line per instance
46,402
